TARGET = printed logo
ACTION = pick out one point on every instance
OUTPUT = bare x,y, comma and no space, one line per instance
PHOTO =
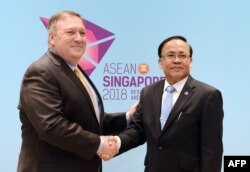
143,68
98,42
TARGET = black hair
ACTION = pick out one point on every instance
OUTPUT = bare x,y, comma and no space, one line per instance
171,38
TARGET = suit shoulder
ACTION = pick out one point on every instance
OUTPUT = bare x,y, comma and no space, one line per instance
41,67
204,86
156,85
44,64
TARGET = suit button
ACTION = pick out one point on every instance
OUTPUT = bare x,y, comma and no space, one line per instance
160,148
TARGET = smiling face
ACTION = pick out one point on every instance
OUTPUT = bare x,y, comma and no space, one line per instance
175,60
67,39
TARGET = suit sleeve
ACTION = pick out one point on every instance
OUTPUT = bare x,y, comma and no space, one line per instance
211,133
134,135
114,123
41,101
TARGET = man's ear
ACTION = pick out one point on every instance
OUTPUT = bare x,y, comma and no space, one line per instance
51,38
190,65
160,63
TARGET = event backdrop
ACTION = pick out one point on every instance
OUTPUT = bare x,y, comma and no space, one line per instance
121,58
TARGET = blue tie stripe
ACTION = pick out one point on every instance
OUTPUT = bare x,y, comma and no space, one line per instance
167,105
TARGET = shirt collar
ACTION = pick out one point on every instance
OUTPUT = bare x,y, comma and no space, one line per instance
178,85
72,67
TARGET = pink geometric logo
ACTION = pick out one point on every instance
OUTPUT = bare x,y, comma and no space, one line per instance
98,42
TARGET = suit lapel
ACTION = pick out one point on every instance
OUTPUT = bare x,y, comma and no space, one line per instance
96,92
184,96
157,98
58,61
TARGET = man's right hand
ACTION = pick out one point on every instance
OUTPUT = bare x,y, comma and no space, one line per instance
109,148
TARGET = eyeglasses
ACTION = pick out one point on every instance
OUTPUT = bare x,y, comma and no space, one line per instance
172,57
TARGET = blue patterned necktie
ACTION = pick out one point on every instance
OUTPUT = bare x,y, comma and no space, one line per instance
166,105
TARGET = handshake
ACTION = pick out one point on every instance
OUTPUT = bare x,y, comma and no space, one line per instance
109,147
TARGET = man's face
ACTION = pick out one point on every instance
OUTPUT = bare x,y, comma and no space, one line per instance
68,39
175,61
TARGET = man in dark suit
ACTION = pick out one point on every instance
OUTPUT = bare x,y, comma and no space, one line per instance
190,139
62,118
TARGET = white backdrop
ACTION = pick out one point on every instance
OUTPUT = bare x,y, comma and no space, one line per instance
217,30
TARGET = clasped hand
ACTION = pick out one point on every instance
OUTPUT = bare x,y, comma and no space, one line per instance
109,148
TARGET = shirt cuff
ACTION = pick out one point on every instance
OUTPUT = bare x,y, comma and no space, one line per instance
128,119
118,142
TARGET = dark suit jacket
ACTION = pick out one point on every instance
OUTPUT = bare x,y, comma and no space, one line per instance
191,140
60,130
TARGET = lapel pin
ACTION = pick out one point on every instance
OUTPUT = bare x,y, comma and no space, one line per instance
186,93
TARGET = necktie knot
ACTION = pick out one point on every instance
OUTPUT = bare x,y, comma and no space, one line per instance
170,89
77,72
